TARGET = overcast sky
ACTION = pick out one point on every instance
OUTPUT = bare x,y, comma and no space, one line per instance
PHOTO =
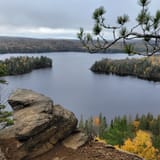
60,18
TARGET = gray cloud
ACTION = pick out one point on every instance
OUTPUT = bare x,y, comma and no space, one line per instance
71,14
46,13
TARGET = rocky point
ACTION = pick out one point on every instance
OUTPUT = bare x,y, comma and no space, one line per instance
38,125
44,131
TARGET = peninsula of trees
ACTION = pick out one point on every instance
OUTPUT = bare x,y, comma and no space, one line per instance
144,68
23,64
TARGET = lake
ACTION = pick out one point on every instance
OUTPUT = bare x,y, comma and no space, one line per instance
71,84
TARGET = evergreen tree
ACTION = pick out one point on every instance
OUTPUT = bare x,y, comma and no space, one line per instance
102,125
118,131
146,29
81,123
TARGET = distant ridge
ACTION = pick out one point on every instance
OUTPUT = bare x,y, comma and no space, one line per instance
37,45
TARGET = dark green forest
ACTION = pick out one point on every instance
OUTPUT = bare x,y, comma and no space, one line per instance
23,64
145,68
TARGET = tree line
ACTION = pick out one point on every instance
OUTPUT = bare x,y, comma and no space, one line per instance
23,64
140,135
145,68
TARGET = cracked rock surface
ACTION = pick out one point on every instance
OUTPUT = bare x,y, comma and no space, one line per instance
38,125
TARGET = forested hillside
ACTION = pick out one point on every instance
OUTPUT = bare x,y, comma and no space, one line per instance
32,45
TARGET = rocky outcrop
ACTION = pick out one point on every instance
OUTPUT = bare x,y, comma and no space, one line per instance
38,125
75,140
90,151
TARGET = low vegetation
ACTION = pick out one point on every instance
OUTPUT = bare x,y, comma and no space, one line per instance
23,64
139,135
145,68
5,116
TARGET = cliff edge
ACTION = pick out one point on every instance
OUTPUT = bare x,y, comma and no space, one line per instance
44,131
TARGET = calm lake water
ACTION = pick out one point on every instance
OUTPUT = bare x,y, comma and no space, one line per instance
71,84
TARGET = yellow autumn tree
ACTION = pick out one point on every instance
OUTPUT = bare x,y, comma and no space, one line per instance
96,121
136,124
141,145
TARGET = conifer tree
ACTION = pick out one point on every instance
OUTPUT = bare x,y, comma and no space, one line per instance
146,29
102,125
81,123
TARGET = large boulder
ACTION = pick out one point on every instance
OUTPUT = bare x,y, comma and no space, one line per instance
38,125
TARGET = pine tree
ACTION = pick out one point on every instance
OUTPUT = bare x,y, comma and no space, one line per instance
81,123
146,29
102,125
